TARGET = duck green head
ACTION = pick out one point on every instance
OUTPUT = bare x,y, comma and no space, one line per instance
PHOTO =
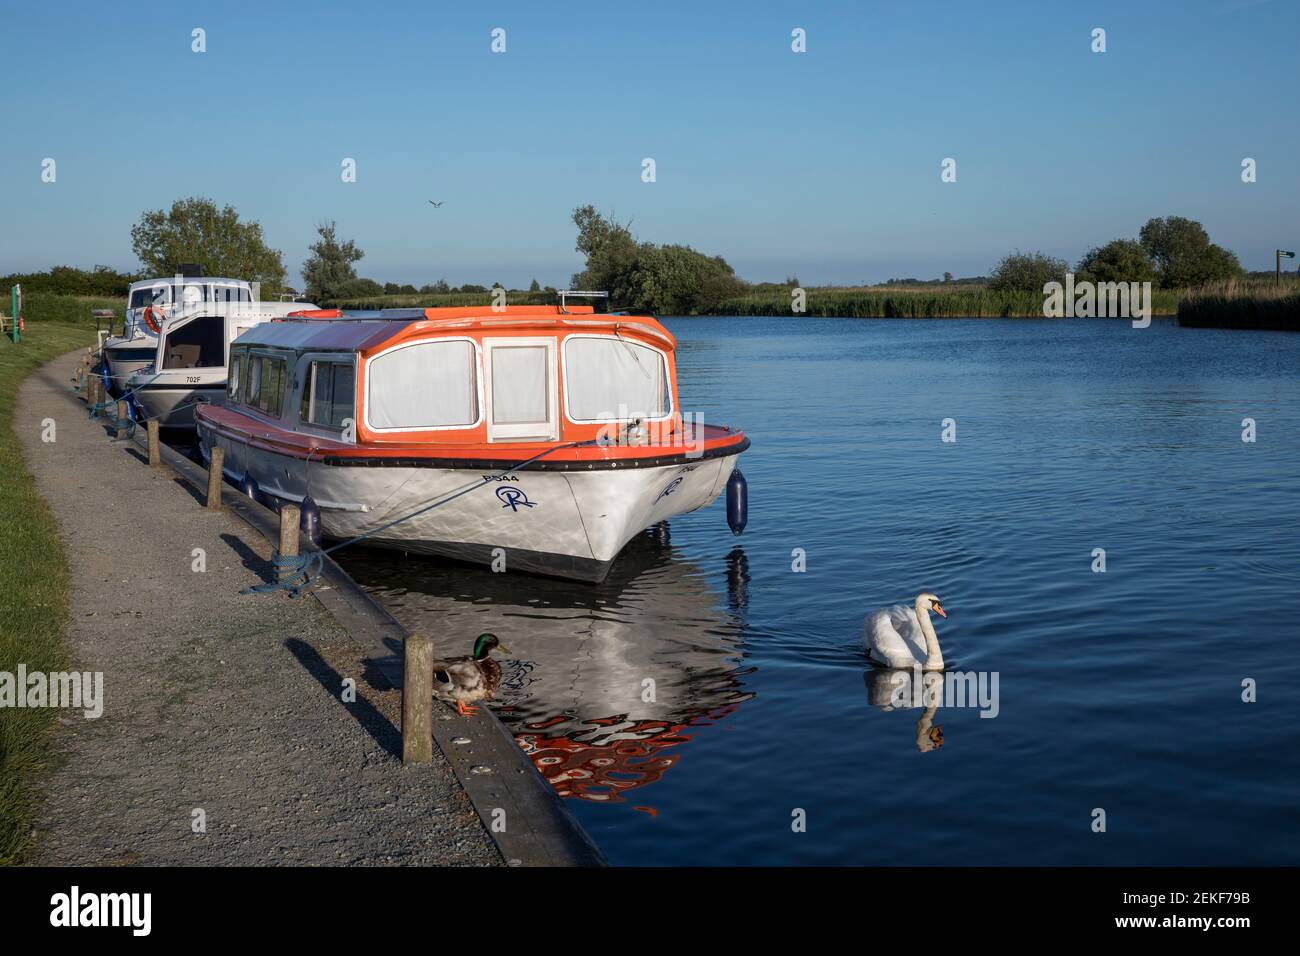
485,644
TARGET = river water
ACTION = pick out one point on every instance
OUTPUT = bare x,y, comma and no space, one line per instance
767,738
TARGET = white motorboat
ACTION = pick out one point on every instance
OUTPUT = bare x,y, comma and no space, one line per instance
149,303
190,357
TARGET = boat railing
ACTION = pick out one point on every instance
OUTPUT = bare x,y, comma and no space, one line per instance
566,294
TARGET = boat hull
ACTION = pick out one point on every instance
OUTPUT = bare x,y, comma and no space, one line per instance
565,523
124,357
173,405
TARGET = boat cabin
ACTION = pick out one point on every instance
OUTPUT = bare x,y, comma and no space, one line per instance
173,294
199,336
459,376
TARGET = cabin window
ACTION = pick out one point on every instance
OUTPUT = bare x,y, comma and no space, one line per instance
235,375
329,394
146,297
608,379
197,344
150,295
254,373
427,385
521,393
267,379
230,293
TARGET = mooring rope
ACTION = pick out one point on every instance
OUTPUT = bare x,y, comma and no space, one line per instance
95,407
129,424
304,569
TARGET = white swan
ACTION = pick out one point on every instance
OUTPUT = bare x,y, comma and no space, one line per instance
902,636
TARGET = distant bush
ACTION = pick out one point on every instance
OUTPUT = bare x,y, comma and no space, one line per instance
1183,254
355,289
672,279
1027,272
67,280
1122,260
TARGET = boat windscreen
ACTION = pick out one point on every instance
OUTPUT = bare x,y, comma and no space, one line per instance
149,295
200,343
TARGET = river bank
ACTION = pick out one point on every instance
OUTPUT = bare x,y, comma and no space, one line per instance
224,737
33,592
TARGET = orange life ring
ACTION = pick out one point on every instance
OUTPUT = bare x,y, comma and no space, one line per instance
154,317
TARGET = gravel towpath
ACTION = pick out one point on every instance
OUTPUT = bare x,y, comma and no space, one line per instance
218,707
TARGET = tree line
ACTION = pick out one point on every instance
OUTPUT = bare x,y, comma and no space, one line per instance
1172,252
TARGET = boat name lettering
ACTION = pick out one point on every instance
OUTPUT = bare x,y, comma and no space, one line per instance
500,477
672,486
514,498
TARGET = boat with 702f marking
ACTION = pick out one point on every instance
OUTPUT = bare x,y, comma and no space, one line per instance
190,358
558,428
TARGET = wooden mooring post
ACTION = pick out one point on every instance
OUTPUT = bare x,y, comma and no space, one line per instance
289,517
417,699
120,423
155,460
216,464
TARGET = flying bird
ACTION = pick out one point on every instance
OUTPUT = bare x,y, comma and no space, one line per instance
435,205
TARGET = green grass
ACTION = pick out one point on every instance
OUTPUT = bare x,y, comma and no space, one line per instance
33,587
41,307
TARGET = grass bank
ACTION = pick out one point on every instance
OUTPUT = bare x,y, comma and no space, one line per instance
33,586
42,307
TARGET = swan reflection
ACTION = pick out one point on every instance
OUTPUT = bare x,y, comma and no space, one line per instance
893,689
606,682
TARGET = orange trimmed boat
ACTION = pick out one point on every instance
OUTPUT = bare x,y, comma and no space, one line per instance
559,429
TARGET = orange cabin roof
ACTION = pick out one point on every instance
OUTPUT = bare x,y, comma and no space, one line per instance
333,329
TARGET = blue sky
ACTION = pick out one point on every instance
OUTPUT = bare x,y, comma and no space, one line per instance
823,164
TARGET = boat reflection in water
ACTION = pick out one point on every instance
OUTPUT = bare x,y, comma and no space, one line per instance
898,689
607,681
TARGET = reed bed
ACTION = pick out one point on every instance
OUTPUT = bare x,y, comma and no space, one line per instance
917,302
1252,304
966,300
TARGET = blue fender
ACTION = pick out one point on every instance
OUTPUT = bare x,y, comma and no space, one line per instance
737,502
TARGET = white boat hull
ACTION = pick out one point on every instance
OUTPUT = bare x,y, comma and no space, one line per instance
173,405
570,523
125,357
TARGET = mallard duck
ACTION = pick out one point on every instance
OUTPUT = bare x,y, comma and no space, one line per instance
464,680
